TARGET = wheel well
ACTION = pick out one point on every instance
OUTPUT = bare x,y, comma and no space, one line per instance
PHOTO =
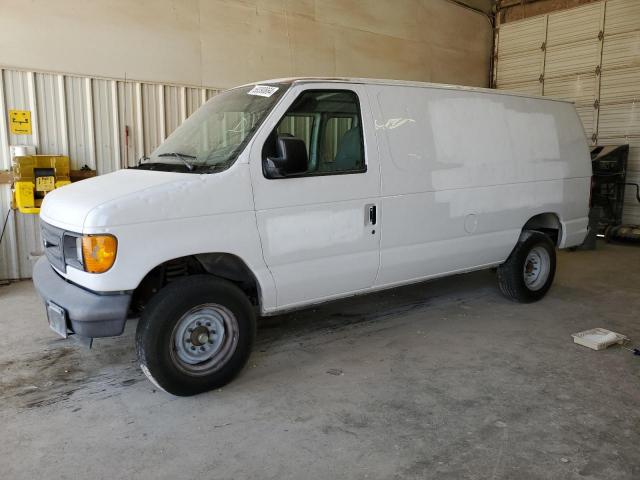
222,265
548,223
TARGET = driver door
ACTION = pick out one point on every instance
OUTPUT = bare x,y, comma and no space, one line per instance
320,229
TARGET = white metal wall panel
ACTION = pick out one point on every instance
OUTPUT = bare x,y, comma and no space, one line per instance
81,147
174,108
8,248
129,116
104,123
50,105
152,116
28,242
18,96
23,237
194,99
4,131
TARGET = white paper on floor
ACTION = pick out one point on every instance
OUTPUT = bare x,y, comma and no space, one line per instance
598,338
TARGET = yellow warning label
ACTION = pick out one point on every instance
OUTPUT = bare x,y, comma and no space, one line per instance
45,184
20,122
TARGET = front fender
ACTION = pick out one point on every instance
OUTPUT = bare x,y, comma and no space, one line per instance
143,246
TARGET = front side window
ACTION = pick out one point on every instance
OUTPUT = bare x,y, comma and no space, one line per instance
329,126
215,134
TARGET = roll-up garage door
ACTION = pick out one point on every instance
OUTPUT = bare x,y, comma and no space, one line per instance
520,56
619,120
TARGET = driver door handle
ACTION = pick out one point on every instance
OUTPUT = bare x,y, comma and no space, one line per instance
371,214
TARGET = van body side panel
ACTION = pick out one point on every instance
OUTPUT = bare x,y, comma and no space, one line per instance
463,171
575,220
314,232
192,214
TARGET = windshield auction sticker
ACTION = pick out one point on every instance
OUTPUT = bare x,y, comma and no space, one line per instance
263,90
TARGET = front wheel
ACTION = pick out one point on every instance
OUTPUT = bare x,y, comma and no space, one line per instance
528,273
195,335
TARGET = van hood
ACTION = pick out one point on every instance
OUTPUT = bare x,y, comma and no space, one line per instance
139,196
69,206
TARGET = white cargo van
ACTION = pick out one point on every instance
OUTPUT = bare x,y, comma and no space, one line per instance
287,193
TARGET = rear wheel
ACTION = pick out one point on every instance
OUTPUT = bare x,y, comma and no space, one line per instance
195,335
528,273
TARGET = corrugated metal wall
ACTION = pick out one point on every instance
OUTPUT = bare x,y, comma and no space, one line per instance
106,124
590,55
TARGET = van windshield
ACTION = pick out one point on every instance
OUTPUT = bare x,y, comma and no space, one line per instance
214,135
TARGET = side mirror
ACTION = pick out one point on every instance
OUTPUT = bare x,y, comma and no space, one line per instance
292,158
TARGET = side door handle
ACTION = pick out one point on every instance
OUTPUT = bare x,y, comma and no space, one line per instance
371,214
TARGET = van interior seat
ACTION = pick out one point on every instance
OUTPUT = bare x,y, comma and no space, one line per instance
349,156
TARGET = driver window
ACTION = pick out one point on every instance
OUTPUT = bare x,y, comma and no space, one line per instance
330,125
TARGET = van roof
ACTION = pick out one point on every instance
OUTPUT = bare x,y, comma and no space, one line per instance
404,83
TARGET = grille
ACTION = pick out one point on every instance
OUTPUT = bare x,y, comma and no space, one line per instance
52,239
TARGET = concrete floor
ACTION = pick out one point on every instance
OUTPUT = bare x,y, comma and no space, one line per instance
440,380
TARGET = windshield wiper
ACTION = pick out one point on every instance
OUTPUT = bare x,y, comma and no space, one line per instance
217,166
182,157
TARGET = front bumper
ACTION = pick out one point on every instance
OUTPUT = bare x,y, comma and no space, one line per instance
89,314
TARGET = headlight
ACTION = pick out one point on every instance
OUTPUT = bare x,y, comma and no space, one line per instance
98,252
72,250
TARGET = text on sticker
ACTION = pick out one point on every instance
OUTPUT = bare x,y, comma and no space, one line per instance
263,90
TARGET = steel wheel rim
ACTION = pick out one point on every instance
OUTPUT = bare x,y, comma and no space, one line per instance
536,269
204,339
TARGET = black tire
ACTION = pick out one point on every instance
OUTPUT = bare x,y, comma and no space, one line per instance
164,324
515,276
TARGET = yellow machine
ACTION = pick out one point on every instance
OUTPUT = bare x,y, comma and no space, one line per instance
36,175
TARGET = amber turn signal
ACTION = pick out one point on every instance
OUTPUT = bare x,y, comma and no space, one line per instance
98,252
